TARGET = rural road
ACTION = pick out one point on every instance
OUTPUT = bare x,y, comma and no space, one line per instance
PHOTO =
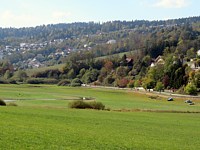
164,94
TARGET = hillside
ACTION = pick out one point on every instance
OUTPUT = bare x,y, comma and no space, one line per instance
51,44
163,54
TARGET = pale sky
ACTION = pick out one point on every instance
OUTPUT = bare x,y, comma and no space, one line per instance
30,13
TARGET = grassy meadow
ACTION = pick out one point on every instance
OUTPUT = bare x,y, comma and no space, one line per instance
117,55
30,72
42,120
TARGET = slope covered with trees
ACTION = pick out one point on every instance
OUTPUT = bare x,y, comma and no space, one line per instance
163,54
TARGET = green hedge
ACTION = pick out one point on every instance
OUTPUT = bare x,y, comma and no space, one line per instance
41,81
86,105
64,82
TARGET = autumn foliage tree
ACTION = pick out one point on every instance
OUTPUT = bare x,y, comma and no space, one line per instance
108,65
122,83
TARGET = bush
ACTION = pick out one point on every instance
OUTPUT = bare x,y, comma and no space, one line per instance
9,81
137,83
20,76
35,81
148,83
97,83
41,81
131,84
159,86
2,103
87,105
79,105
12,81
50,73
97,105
65,82
3,81
109,80
90,76
76,82
122,83
181,90
153,97
50,81
12,104
190,89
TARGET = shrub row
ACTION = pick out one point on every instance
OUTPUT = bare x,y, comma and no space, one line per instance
9,81
42,81
65,82
12,104
86,105
75,82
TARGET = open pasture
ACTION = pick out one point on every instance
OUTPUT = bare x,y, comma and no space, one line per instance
42,120
48,95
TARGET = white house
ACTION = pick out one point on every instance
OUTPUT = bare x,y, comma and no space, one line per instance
111,42
158,60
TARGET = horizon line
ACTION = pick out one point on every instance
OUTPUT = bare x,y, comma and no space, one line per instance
101,22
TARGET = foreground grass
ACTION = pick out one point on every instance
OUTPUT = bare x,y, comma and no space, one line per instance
47,128
42,120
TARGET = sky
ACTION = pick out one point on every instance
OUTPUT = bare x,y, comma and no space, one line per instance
31,13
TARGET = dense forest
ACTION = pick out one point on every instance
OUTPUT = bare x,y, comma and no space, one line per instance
79,29
160,54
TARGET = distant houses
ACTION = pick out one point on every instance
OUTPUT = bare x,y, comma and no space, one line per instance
34,63
111,42
129,62
158,60
192,63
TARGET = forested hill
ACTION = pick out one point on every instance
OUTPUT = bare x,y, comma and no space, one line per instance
50,44
60,31
153,54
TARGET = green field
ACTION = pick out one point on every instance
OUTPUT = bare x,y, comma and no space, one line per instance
42,120
117,55
30,72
